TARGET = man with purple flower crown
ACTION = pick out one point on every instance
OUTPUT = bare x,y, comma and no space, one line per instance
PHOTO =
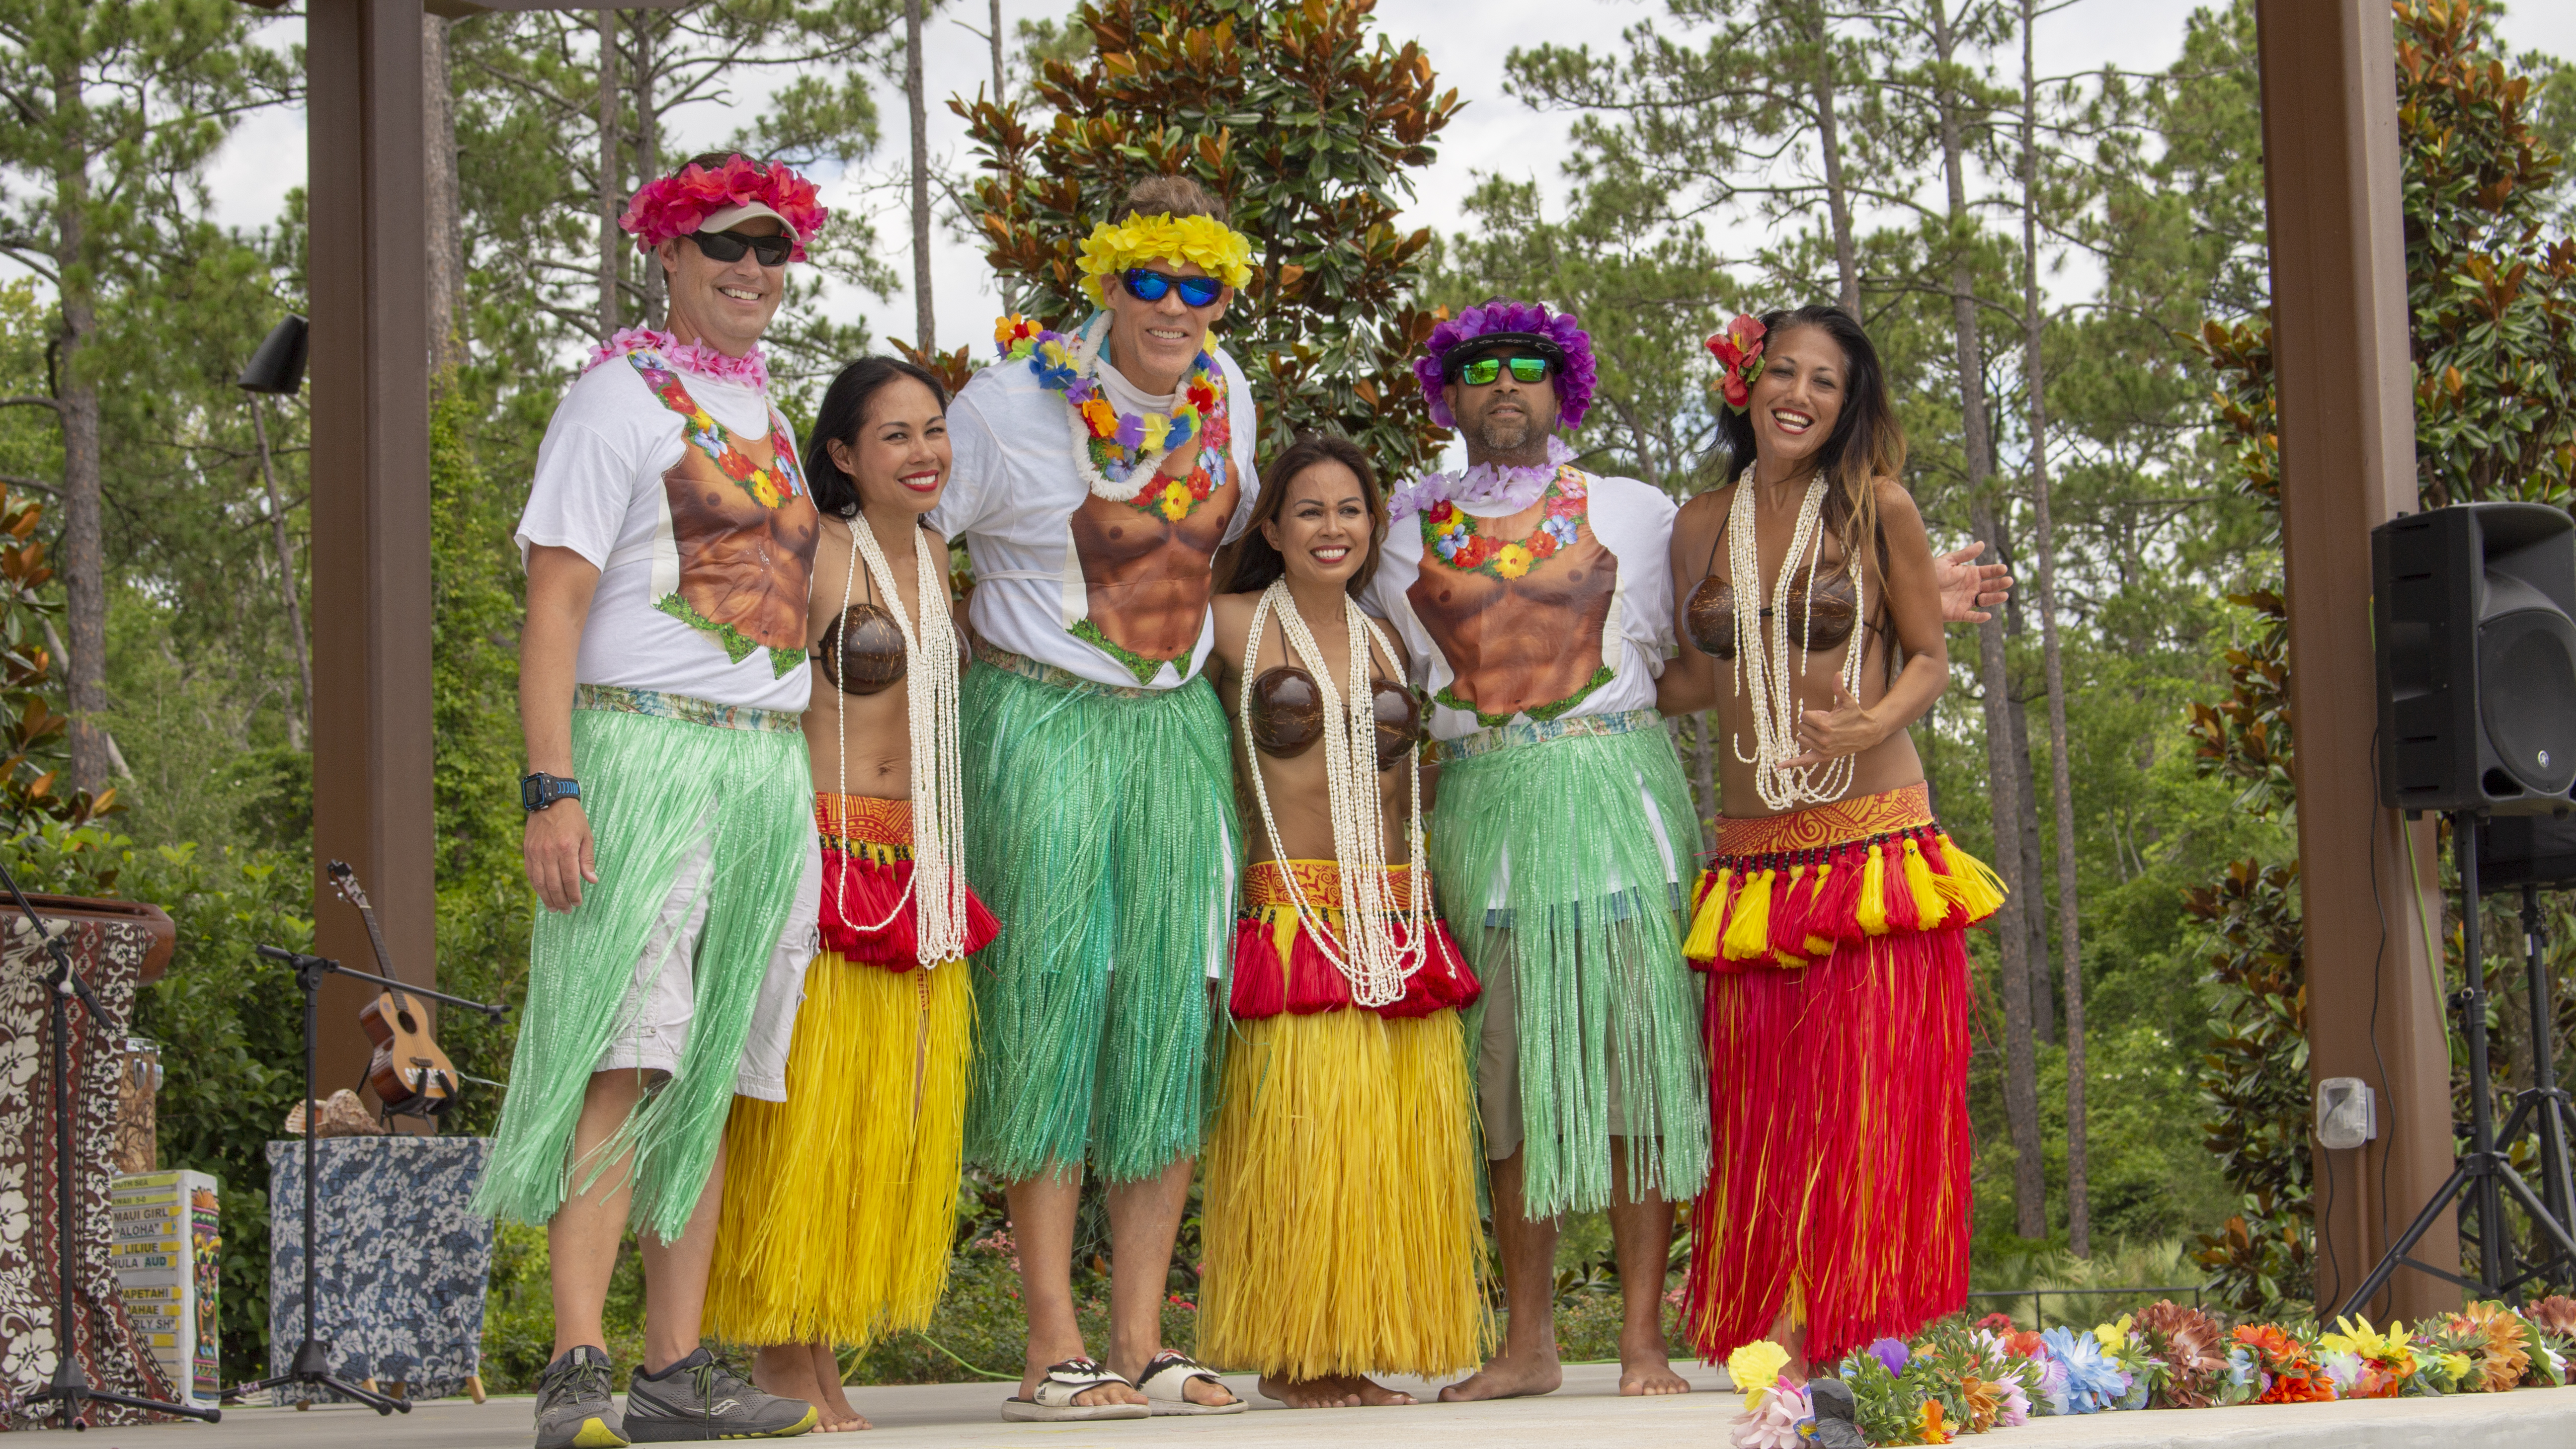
1532,601
1097,472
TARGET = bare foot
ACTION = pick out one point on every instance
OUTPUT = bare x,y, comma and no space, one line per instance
788,1370
1511,1376
1035,1371
1379,1396
838,1416
1330,1392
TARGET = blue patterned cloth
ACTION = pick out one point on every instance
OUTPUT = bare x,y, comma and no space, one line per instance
399,1288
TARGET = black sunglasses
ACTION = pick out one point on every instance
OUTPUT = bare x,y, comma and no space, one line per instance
1150,286
1484,370
728,246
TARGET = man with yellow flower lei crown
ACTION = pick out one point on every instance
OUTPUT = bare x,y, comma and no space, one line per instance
1097,472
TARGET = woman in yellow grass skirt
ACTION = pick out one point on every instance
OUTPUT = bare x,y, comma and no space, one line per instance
1341,1233
1832,917
840,1202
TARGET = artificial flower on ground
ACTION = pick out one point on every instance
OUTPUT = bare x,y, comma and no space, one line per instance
2385,1358
2188,1350
2093,1382
1755,1368
1885,1405
2500,1352
1777,1417
2292,1372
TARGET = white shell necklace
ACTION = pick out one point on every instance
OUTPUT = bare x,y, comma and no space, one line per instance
1367,953
1772,686
938,766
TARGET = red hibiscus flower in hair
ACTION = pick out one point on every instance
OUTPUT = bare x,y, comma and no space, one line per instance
1738,351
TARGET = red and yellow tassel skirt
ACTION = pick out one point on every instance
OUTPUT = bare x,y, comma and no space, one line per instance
1279,967
1837,1032
840,1202
1340,1226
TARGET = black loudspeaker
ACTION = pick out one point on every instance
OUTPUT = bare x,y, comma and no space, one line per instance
2472,621
2535,850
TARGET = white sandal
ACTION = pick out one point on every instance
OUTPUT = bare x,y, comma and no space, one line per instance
1166,1383
1064,1382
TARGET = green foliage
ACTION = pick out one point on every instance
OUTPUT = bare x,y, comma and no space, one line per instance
1304,123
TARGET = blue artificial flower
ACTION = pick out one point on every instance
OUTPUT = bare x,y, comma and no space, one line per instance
2093,1382
1892,1355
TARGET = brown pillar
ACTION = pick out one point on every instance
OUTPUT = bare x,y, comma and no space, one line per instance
371,614
2348,464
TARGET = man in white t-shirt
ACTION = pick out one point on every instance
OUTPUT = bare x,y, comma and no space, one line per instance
1096,474
1534,604
668,538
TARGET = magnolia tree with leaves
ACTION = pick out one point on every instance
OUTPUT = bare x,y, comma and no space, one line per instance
1306,123
2491,307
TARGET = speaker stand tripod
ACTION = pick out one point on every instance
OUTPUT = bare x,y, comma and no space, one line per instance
69,1386
2484,1176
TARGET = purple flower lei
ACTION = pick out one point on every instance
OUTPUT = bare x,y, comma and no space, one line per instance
1573,387
749,370
1482,486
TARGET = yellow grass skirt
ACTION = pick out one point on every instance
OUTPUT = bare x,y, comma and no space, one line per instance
1340,1223
840,1202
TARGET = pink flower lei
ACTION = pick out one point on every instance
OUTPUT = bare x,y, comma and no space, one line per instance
748,370
677,205
1573,387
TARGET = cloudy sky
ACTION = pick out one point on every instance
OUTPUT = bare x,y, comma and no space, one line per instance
1492,133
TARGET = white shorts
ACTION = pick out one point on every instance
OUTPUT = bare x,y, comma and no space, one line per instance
663,997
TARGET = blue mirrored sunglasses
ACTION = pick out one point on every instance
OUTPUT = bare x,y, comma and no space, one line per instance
1149,286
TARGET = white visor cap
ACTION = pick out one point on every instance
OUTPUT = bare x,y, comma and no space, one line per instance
733,216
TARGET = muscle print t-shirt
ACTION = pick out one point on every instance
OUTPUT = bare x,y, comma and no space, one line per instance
685,491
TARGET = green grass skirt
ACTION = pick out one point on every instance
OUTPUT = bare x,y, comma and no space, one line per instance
1600,983
647,784
1102,835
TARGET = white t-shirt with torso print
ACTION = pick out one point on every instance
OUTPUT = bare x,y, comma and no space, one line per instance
698,605
1013,493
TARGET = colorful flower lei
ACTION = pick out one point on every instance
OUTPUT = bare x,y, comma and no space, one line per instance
1574,385
1454,534
1113,247
773,485
1116,446
1738,351
678,205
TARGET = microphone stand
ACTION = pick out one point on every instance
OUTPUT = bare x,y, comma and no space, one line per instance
70,1386
311,1365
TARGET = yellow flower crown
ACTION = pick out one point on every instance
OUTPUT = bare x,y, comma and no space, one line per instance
1114,247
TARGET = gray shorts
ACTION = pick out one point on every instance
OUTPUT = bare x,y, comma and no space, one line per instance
1498,1052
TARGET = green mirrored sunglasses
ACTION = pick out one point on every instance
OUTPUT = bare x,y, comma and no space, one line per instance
1484,370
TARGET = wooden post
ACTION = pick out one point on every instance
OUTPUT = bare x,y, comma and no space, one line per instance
2348,464
370,556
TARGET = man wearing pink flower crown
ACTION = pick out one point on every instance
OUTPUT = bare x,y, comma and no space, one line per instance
668,538
1097,471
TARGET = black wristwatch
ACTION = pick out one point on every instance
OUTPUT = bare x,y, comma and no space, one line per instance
539,790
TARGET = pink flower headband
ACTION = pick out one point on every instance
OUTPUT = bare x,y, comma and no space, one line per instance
679,205
1738,351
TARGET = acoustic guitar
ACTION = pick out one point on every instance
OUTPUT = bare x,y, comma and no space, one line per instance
410,1075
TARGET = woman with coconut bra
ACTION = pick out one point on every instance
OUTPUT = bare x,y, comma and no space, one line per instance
842,1201
1831,916
1341,1228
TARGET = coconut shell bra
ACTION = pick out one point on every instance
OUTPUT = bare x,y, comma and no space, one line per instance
862,651
1288,715
1820,616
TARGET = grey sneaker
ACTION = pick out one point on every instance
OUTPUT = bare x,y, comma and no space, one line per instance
574,1410
699,1398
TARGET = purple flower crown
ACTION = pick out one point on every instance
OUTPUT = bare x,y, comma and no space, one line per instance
1573,386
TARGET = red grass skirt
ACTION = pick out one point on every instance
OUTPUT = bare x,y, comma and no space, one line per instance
1837,1031
867,872
1278,967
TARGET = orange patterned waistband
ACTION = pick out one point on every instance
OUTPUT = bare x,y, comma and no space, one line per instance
862,820
1321,880
1858,818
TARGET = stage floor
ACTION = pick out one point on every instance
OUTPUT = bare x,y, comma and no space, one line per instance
1586,1412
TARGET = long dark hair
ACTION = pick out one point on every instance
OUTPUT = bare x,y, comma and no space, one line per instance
1867,443
1257,565
843,413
